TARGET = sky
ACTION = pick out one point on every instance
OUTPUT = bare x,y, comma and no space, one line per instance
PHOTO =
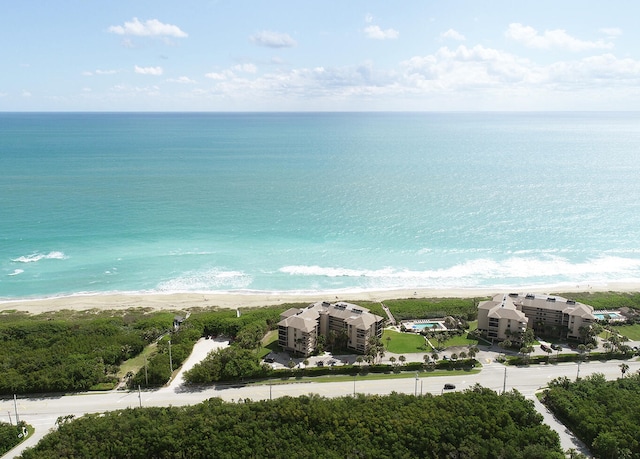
294,55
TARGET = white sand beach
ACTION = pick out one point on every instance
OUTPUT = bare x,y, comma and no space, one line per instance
186,301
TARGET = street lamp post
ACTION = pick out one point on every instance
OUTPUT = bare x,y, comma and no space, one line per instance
415,388
354,384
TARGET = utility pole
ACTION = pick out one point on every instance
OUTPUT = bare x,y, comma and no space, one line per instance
170,359
354,384
578,374
270,385
415,388
15,407
504,383
139,396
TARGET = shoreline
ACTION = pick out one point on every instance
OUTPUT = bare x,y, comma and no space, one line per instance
235,300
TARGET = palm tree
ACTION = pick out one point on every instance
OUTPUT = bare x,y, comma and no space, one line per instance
392,359
388,338
402,359
624,368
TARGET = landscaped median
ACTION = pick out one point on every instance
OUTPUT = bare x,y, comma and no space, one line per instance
547,359
379,371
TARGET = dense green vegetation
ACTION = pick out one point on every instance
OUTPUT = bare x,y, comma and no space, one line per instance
604,414
246,331
71,351
476,423
10,436
606,300
429,308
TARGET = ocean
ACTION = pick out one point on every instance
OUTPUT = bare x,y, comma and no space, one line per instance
316,202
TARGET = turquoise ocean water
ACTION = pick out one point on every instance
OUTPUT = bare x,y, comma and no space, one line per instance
303,202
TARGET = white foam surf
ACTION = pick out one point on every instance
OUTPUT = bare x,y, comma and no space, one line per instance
204,280
35,257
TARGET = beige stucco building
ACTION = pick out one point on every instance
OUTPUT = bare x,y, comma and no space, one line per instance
504,315
299,329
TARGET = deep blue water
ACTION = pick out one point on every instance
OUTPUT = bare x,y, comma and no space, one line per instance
316,201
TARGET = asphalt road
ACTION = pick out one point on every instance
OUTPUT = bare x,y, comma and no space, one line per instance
42,412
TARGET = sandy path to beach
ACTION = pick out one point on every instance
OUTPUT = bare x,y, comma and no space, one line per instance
186,301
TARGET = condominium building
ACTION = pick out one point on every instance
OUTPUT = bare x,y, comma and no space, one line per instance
546,315
298,329
501,319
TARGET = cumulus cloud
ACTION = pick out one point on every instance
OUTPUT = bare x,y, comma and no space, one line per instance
148,70
452,35
557,38
219,75
611,32
272,39
149,28
182,80
99,72
245,68
376,33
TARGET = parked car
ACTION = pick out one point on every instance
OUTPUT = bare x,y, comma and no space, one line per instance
269,359
449,386
556,347
544,347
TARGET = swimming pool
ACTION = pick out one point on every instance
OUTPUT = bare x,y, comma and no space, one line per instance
611,315
427,325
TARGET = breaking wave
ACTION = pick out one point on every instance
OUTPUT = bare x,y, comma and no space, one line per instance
35,257
484,271
211,279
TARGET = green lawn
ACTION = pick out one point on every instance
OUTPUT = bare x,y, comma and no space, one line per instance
269,344
630,331
461,341
403,343
137,362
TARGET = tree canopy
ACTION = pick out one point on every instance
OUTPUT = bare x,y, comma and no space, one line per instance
476,423
604,414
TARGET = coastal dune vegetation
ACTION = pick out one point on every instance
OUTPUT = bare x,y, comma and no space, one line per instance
71,350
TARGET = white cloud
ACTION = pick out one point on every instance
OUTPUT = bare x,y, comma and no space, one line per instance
218,75
368,18
26,93
99,72
376,33
246,68
182,80
453,35
149,28
611,32
272,39
148,70
557,38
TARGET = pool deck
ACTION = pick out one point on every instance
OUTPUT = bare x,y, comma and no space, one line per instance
614,316
438,325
